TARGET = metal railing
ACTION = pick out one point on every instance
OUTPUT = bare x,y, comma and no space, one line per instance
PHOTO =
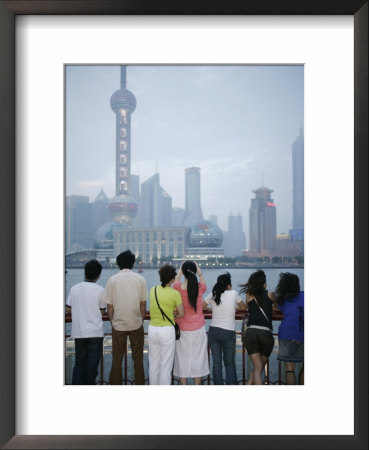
241,355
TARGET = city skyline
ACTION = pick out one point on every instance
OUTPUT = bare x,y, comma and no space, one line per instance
237,123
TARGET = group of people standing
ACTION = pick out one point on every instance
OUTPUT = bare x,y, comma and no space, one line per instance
178,300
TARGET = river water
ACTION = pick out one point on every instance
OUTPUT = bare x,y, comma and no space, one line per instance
239,276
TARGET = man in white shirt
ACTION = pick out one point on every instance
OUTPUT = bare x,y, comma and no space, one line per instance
86,305
125,294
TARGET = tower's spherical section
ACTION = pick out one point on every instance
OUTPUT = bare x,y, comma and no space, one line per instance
123,99
205,234
123,209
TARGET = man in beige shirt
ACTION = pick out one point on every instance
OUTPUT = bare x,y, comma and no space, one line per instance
125,294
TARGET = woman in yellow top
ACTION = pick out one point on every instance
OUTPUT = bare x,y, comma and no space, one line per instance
161,333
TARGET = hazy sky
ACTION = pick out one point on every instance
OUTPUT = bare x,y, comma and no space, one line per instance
237,123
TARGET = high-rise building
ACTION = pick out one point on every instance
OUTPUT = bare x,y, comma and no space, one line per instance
177,216
156,204
135,193
79,221
122,207
297,232
235,240
100,207
193,212
263,221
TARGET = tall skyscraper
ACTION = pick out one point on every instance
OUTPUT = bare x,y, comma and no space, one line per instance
263,221
79,221
156,204
235,242
135,193
193,212
177,216
297,232
100,207
123,207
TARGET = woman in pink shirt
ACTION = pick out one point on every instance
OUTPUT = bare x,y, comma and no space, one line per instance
191,359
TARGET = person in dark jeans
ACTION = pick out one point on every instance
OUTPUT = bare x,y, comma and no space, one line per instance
222,336
86,306
88,352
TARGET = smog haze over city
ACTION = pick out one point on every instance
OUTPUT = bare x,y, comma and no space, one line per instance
237,123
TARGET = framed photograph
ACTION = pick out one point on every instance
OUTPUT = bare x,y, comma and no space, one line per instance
37,40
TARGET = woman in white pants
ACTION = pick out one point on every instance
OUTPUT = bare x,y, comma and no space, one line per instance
165,304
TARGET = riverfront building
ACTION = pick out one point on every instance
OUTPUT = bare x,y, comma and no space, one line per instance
263,222
149,243
204,240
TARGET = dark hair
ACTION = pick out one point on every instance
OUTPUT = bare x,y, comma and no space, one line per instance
167,273
189,271
126,260
92,270
220,286
255,285
288,287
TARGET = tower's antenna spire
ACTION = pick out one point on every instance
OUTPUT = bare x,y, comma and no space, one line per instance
123,77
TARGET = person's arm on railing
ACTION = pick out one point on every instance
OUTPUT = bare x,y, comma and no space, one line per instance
206,302
241,306
205,306
273,298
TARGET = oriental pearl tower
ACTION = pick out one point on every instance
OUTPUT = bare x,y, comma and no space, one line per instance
122,207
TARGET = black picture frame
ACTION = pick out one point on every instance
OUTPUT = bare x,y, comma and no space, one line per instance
8,11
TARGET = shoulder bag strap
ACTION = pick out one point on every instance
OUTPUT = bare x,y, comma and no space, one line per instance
162,312
261,309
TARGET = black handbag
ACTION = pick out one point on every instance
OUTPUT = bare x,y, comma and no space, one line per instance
176,326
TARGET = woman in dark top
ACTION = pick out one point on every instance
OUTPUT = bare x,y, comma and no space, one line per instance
259,340
290,301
